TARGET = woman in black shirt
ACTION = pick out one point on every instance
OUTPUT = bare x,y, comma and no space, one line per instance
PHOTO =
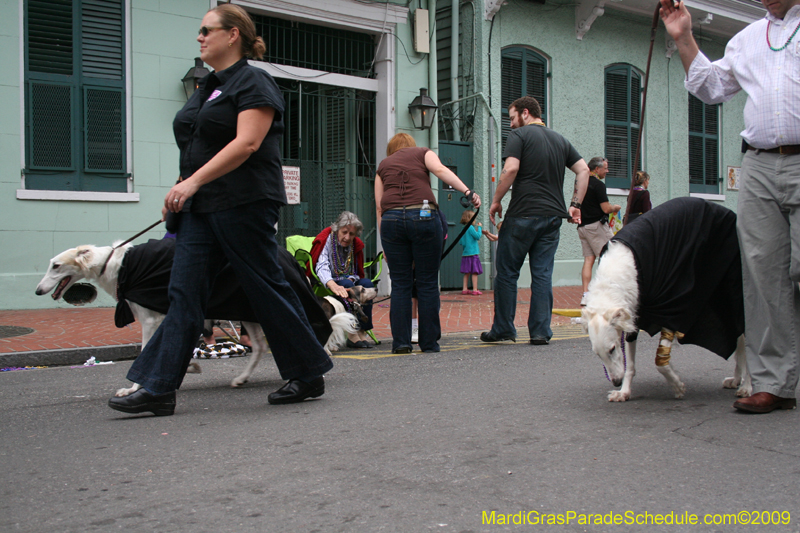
227,201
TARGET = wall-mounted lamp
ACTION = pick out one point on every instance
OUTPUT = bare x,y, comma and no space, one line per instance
195,74
423,110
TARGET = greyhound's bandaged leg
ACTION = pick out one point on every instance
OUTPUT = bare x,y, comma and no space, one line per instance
663,364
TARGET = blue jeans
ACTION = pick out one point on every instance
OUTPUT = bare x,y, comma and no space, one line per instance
413,245
536,237
245,237
366,325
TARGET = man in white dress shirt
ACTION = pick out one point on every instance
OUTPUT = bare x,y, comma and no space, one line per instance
764,61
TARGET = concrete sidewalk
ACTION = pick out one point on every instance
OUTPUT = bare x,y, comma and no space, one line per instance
71,335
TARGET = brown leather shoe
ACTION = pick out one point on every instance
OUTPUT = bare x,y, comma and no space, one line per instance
764,402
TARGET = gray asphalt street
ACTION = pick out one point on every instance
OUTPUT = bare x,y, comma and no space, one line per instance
470,439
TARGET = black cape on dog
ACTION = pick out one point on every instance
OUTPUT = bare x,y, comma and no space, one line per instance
690,272
144,279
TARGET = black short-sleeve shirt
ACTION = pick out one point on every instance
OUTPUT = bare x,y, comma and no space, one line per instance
207,123
539,186
596,194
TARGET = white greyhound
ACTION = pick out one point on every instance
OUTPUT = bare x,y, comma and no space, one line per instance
610,319
87,261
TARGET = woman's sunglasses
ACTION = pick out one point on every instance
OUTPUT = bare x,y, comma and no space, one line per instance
205,30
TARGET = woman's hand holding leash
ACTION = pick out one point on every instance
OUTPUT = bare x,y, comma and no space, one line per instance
178,195
473,197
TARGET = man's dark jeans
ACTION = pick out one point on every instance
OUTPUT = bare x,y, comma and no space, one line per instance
244,236
536,237
413,244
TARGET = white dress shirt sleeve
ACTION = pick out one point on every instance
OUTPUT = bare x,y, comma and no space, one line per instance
324,264
714,83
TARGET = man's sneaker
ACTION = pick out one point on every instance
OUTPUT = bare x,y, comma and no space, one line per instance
415,335
583,299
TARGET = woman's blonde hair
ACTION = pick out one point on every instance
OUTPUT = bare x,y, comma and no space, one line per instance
233,16
467,216
401,140
640,178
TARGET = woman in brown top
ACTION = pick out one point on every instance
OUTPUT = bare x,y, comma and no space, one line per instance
412,236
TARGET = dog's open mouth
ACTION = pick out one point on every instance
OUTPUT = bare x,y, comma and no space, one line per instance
61,286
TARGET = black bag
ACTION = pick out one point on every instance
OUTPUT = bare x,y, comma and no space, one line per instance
173,222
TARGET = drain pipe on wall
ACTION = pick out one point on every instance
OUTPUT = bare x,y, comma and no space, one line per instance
433,88
455,41
669,132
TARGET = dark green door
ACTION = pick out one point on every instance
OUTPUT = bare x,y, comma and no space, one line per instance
457,156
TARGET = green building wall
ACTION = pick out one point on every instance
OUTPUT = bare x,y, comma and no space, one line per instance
162,48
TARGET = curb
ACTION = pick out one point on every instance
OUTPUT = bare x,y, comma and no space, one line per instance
76,356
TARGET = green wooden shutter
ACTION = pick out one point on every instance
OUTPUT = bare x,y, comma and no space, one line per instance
101,39
50,39
510,85
103,103
703,147
622,123
50,133
104,133
523,72
75,97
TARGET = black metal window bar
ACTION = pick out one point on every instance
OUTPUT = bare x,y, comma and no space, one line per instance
304,45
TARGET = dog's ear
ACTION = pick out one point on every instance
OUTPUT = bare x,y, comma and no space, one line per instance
620,319
83,256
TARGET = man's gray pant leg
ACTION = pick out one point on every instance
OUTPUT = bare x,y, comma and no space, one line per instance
768,226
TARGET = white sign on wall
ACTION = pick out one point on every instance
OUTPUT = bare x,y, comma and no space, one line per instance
291,181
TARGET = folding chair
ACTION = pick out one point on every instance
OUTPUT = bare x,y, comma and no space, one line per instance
300,247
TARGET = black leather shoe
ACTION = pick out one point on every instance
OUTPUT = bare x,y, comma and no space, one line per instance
296,391
540,341
487,336
403,350
359,344
142,401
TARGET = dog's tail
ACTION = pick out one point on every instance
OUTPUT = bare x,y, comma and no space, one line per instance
342,324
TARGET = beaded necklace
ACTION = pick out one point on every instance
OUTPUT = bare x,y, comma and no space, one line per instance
341,259
769,24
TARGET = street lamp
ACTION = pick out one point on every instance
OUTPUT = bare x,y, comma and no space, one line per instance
423,110
195,74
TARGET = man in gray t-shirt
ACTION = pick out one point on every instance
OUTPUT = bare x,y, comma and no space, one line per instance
535,159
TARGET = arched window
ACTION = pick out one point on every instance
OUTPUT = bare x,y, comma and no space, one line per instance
523,72
703,146
623,85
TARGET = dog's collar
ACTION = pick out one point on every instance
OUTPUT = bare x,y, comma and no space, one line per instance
114,248
103,270
624,357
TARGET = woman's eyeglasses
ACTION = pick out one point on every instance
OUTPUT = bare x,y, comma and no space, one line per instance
205,30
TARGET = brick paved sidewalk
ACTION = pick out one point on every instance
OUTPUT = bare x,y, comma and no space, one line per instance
76,328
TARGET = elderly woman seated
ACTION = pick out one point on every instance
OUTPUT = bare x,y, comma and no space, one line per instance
338,257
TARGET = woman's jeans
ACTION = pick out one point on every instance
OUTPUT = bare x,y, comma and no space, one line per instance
519,237
366,325
245,237
413,244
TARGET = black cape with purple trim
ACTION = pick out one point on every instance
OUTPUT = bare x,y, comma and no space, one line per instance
144,279
689,272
